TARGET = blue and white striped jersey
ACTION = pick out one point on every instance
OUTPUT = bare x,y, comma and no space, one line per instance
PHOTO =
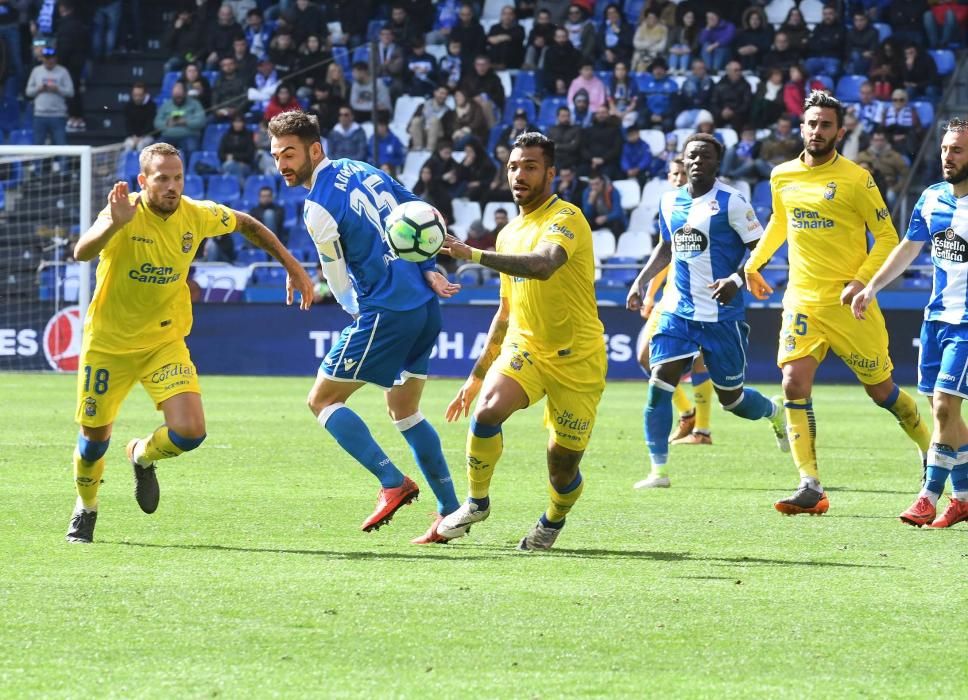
942,219
345,213
708,236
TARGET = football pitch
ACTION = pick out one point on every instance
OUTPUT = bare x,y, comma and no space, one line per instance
253,579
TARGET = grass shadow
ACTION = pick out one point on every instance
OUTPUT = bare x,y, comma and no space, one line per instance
329,554
687,557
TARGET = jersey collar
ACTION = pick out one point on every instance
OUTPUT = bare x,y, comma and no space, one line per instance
326,162
818,167
544,207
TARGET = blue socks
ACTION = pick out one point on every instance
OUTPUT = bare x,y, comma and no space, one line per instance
425,445
752,405
658,422
351,433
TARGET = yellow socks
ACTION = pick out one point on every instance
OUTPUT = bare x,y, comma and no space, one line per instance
905,409
87,479
157,446
802,431
680,399
562,501
485,443
703,393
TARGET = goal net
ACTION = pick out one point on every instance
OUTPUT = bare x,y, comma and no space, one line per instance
48,196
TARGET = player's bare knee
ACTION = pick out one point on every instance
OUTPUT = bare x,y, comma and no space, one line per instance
729,398
562,465
879,393
795,387
941,409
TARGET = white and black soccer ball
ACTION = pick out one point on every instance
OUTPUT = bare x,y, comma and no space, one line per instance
415,231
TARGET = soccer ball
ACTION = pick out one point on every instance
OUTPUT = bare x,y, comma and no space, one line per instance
415,231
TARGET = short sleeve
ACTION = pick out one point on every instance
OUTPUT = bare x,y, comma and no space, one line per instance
743,219
917,229
664,209
563,230
215,219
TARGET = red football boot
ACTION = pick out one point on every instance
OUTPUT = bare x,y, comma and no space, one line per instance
388,502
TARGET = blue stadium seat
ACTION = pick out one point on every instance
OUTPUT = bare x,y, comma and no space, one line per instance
827,81
762,197
302,248
254,183
293,195
373,28
247,256
512,106
9,114
945,60
128,166
848,88
211,76
21,137
525,84
606,77
884,31
293,213
342,56
361,54
494,135
925,112
623,276
171,77
194,186
775,278
548,114
223,189
633,8
212,136
210,158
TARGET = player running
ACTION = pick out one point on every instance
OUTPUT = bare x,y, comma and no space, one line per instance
139,316
545,340
396,315
693,428
706,228
939,217
822,202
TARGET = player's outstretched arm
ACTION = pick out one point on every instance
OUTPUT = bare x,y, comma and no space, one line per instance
539,264
658,261
260,236
92,241
461,405
899,259
442,286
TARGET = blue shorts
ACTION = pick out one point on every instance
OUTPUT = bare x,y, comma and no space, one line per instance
722,343
385,347
943,359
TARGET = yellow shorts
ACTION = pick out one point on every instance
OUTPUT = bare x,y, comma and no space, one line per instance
104,379
652,323
573,386
862,345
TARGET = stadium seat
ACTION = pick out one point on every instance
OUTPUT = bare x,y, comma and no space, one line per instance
342,56
654,189
194,186
743,187
223,189
848,88
254,183
629,191
603,243
171,77
762,196
633,8
812,11
494,135
211,76
548,114
21,137
884,31
727,136
620,276
654,138
292,195
411,167
492,9
9,114
606,77
642,218
512,106
361,54
506,81
776,278
925,112
634,244
212,136
763,213
466,212
247,256
373,28
128,166
292,216
487,218
945,60
777,10
525,84
210,158
469,277
826,80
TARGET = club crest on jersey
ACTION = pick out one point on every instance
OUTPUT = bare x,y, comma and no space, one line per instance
789,343
948,246
713,206
90,407
187,240
830,191
689,242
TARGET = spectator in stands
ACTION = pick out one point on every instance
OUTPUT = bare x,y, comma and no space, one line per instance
826,45
887,67
435,193
732,98
338,85
660,98
855,138
636,158
623,96
697,89
479,237
902,124
228,95
431,120
581,31
104,27
795,91
944,23
568,186
72,42
567,138
390,153
197,85
474,173
591,84
220,34
304,19
782,55
660,161
263,85
499,189
325,107
505,41
264,162
519,125
469,120
796,31
716,41
218,249
389,62
50,86
754,40
354,15
740,162
185,40
139,118
451,66
500,221
782,145
868,110
650,40
10,26
767,103
347,138
906,20
886,161
258,32
240,8
683,43
282,101
180,121
581,115
560,65
861,42
483,85
270,213
442,163
557,9
405,30
602,145
361,95
541,36
445,20
602,205
919,73
469,33
420,71
311,66
246,62
236,150
283,54
615,40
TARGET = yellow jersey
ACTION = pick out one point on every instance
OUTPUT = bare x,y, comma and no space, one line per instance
824,212
557,317
141,299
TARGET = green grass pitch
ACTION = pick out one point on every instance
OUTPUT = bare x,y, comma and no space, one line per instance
253,580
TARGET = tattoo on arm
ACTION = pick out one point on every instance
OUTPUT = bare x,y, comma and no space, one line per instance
539,264
495,338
